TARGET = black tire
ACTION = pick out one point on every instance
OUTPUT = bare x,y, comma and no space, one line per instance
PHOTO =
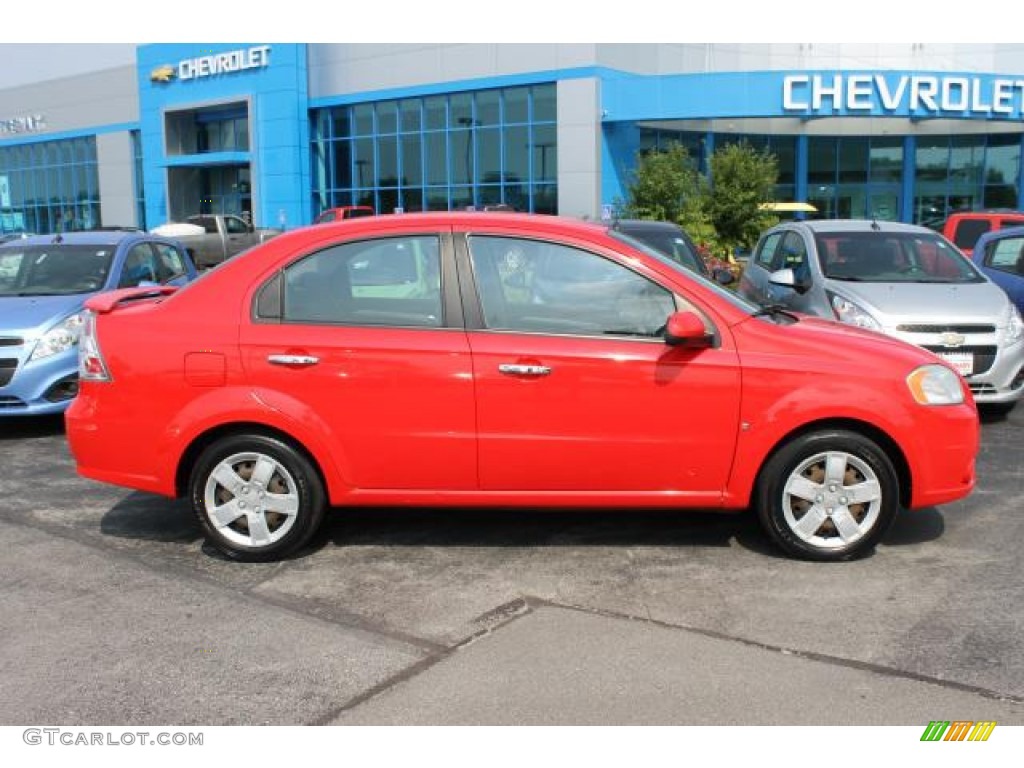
269,496
828,495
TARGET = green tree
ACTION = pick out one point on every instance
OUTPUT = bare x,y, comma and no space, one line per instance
666,185
741,179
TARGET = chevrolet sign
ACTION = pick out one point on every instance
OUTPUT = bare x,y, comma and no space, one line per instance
225,63
163,74
950,339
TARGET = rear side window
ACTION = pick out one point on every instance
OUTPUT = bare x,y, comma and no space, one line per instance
1006,255
393,281
969,230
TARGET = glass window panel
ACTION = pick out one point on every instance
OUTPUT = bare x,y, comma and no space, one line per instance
821,161
516,195
1002,159
342,154
366,197
437,160
412,161
410,111
387,200
517,156
341,118
462,198
91,148
931,159
489,194
387,149
545,153
545,199
387,117
435,112
412,200
965,161
340,198
461,144
516,105
437,198
460,107
886,160
366,171
853,160
784,149
488,154
487,110
1000,196
362,119
544,103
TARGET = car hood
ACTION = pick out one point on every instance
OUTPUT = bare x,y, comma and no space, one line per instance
892,303
27,314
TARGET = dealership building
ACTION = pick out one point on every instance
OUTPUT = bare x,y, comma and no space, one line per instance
281,131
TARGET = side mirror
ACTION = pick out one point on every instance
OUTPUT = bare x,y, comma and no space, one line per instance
686,329
787,279
724,276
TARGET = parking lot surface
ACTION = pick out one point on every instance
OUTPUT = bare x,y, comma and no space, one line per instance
116,612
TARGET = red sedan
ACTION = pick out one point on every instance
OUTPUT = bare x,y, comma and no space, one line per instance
505,360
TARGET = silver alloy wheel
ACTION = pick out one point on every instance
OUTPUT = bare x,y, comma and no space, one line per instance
251,499
832,500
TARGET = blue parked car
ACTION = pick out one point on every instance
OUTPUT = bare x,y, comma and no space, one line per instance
44,283
1000,255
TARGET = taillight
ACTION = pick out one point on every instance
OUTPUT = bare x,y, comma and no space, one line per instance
91,366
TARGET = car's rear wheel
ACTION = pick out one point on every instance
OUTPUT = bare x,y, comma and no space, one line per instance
828,495
256,497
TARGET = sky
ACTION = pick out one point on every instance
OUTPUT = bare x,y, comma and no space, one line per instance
33,50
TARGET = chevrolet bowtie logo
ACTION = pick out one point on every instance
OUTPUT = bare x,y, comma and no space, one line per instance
162,74
950,339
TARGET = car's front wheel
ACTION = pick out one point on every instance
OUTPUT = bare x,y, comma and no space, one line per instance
256,497
828,495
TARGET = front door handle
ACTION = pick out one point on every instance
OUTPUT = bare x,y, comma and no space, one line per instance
511,369
293,361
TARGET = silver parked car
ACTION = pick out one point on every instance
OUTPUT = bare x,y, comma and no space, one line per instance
905,281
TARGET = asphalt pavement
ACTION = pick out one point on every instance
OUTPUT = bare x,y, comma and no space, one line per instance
115,612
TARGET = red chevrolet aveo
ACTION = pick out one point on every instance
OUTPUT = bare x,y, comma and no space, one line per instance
505,360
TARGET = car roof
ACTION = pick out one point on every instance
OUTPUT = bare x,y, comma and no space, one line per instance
538,222
857,225
96,237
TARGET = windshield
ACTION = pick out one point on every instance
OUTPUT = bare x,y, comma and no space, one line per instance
733,298
892,257
53,270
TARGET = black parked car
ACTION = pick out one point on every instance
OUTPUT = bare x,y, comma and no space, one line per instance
672,240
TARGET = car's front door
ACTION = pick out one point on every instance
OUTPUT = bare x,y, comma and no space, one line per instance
361,336
576,389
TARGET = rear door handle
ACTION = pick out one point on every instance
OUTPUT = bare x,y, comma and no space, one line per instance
293,361
511,369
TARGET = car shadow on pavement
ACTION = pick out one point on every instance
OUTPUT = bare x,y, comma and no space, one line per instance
155,518
27,427
537,528
915,527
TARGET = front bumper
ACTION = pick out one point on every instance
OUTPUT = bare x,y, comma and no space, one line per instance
38,387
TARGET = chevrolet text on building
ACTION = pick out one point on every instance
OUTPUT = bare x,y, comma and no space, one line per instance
229,62
25,124
903,94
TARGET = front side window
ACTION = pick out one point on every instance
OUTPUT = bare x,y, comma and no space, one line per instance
892,257
392,281
139,266
793,255
541,287
235,226
169,262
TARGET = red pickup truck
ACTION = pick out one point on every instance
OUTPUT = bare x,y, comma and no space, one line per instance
964,229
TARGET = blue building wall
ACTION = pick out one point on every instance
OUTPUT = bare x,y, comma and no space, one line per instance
279,125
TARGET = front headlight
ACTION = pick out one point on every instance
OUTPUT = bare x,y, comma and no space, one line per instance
1014,325
935,385
849,312
60,338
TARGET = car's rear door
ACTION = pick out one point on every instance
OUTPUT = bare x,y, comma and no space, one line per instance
576,389
369,339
